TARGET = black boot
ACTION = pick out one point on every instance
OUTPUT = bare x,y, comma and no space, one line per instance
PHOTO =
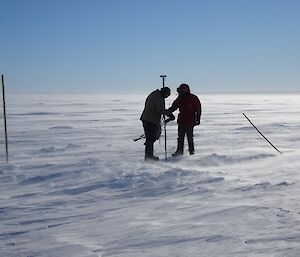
190,138
180,144
149,153
177,154
151,158
191,148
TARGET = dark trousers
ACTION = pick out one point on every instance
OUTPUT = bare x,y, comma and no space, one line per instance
150,130
182,131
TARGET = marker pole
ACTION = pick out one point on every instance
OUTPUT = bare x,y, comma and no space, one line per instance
4,116
261,134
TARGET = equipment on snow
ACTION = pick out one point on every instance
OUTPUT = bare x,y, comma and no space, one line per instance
139,138
261,134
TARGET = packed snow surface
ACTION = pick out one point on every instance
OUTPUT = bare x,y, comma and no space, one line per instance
76,184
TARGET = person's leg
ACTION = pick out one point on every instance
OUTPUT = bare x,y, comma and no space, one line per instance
180,141
150,134
190,138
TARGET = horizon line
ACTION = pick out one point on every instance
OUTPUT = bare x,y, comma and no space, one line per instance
139,92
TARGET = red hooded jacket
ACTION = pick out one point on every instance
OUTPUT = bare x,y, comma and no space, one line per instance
190,109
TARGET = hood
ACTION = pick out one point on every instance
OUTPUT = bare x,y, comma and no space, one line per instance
183,89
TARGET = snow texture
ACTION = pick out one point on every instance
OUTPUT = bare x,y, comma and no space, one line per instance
76,184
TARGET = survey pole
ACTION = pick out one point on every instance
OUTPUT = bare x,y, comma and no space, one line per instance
164,118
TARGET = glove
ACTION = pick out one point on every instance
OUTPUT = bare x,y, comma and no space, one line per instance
171,117
197,119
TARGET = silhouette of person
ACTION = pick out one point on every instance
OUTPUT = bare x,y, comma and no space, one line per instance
189,116
151,117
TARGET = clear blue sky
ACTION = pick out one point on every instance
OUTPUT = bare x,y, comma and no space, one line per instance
124,45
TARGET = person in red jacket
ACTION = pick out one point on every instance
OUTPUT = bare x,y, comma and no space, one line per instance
189,116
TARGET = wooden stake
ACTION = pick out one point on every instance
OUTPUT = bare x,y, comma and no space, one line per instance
4,116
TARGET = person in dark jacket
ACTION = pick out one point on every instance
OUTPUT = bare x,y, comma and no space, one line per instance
151,116
189,116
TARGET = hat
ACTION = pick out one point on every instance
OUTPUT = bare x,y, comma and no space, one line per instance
165,91
183,88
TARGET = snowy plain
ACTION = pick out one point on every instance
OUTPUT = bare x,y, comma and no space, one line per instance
76,184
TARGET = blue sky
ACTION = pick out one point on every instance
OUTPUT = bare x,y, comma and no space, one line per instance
124,45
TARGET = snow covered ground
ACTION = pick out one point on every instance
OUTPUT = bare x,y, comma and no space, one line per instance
77,185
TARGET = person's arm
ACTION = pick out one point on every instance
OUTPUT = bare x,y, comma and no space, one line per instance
171,118
160,107
198,110
174,106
